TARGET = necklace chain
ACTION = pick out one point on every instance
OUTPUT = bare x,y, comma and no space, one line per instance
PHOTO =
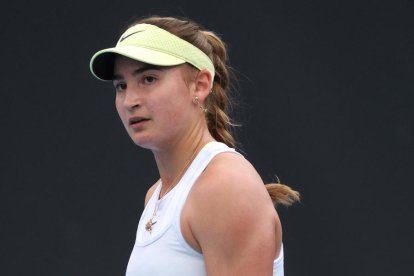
150,223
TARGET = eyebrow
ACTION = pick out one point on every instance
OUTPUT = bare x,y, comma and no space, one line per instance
140,70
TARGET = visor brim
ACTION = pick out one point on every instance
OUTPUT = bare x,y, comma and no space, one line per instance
102,63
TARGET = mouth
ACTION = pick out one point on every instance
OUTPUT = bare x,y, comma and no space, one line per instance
136,120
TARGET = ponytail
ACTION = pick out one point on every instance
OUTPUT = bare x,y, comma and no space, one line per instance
217,103
219,122
282,194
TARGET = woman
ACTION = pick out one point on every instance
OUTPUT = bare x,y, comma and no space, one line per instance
209,213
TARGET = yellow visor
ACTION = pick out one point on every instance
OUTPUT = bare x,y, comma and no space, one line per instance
152,45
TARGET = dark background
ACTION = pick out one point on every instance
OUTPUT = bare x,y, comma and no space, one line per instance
326,92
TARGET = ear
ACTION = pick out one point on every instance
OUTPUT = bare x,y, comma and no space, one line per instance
203,83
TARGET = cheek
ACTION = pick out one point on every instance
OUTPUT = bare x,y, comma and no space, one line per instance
179,114
178,107
169,114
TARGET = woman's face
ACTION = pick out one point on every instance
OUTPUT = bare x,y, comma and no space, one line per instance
154,103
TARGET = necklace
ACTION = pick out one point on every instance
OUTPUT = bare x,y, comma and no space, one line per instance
150,223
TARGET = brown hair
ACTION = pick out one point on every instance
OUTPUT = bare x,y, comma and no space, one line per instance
218,102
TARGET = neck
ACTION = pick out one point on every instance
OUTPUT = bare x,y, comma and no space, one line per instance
173,161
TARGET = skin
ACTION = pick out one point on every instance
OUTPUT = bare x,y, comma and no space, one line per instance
244,232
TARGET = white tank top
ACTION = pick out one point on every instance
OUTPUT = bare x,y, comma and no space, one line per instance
165,251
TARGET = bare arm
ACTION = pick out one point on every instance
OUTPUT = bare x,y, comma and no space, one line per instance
233,220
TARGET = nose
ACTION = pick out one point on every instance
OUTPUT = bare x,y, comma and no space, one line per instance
132,98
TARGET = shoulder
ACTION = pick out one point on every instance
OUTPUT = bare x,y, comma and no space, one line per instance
230,200
231,173
231,187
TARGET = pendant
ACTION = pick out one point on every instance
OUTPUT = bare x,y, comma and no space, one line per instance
149,225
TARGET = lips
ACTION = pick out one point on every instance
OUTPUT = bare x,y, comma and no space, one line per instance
137,121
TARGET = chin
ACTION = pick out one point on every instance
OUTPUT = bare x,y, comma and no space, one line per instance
143,142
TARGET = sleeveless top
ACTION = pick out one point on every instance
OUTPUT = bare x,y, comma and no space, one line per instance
164,251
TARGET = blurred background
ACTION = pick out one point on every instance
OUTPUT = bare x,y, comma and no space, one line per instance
325,92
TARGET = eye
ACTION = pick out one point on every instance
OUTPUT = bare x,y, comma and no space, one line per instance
149,79
119,86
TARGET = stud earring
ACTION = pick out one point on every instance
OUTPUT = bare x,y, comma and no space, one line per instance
195,100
